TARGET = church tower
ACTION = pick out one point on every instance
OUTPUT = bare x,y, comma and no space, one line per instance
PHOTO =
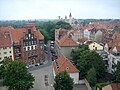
70,18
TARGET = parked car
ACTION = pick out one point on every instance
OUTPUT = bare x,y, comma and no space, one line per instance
37,64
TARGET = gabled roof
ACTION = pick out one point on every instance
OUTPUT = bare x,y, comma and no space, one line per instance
5,39
64,65
67,40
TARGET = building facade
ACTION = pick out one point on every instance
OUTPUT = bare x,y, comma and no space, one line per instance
28,44
6,47
64,64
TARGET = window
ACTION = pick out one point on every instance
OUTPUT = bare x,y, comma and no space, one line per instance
24,49
10,56
28,54
10,51
67,68
35,42
29,35
32,43
32,53
5,57
31,47
32,36
10,47
29,30
5,52
26,43
29,43
0,58
28,48
35,47
26,36
95,48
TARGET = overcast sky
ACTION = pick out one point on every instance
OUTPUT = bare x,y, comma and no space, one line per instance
51,9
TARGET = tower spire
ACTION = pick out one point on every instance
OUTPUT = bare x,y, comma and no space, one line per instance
70,15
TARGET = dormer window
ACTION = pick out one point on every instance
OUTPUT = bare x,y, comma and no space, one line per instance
67,68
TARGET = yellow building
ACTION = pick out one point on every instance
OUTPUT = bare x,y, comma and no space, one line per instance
95,46
6,48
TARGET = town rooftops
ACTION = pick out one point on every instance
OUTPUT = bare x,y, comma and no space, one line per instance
63,64
67,40
18,33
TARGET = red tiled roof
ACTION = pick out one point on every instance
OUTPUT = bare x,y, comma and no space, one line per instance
18,33
64,63
88,42
5,39
67,40
82,40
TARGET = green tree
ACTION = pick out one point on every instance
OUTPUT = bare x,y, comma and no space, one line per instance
48,26
76,53
4,66
45,34
117,73
63,25
91,59
63,81
17,77
91,77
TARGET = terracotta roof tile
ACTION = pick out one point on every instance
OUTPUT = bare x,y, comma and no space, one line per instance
82,40
63,64
67,40
5,39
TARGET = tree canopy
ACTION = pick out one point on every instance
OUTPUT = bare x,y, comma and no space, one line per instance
91,77
76,53
63,25
16,75
63,81
117,73
91,59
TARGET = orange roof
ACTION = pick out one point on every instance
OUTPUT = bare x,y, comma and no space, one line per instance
18,33
67,40
63,64
5,39
82,40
